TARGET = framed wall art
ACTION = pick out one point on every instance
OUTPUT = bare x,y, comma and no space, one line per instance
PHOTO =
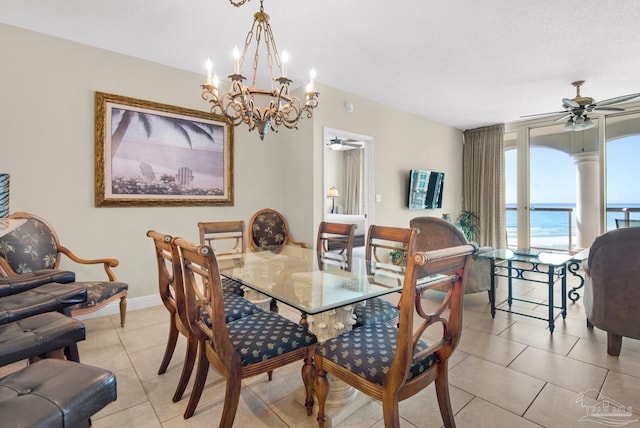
151,154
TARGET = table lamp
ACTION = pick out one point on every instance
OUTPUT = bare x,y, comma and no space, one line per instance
333,194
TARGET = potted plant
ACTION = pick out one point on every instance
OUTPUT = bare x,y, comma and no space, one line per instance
467,222
398,257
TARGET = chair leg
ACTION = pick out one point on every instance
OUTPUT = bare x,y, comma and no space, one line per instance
72,353
614,344
589,325
442,392
187,368
390,412
171,345
198,384
308,370
322,390
231,400
123,310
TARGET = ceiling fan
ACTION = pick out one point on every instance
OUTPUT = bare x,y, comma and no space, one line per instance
576,109
344,144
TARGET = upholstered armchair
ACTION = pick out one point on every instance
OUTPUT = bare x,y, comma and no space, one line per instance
35,246
436,234
612,291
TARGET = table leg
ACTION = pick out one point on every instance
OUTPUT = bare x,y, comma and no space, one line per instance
564,292
551,304
574,267
510,284
492,290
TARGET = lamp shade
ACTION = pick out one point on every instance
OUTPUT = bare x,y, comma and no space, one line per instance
333,192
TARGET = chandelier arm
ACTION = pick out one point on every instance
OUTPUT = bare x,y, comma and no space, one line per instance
238,3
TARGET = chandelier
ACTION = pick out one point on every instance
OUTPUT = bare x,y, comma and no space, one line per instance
241,103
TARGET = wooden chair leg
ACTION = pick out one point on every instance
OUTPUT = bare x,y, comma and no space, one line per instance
187,368
322,390
198,384
442,392
171,345
72,353
308,370
390,412
614,344
231,400
123,310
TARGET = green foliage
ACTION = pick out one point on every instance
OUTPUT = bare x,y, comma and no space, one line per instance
398,257
467,222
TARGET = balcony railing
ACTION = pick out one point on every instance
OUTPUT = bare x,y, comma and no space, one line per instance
555,233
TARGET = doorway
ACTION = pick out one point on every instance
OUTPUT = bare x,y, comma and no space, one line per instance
348,180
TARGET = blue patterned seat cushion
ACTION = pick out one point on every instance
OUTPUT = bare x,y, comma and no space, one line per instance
375,310
231,286
235,307
369,350
99,292
267,335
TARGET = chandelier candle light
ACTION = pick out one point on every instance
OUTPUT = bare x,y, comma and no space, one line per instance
239,104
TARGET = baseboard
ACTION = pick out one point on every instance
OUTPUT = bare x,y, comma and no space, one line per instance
113,308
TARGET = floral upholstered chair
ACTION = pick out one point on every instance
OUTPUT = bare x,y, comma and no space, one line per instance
268,228
34,246
392,363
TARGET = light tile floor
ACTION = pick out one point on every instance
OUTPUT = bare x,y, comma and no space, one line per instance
506,372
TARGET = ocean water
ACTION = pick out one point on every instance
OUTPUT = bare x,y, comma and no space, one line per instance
550,229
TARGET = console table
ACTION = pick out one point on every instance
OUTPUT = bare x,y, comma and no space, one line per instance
546,268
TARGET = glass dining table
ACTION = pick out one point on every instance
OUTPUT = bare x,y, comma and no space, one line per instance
324,298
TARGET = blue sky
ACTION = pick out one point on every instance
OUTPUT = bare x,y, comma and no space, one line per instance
553,174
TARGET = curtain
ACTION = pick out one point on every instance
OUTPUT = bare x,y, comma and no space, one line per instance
483,187
353,180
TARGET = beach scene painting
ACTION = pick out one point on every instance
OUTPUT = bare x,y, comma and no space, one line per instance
150,154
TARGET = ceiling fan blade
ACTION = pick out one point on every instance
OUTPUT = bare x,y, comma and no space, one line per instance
599,109
570,103
544,114
616,100
564,117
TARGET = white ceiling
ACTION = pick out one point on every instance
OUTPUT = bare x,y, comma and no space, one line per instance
465,63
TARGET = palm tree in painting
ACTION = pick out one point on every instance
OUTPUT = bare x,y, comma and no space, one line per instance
123,118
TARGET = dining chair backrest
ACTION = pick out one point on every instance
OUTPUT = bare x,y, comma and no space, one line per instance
226,238
269,228
622,222
384,241
334,245
392,363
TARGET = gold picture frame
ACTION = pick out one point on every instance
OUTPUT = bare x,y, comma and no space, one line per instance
150,154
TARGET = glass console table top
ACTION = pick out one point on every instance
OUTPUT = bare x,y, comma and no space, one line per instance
547,258
291,276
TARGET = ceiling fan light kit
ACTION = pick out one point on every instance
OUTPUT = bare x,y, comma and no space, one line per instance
240,103
576,109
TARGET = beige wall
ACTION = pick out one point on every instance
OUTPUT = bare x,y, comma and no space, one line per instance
47,89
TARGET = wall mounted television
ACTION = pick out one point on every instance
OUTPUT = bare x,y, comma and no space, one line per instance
425,189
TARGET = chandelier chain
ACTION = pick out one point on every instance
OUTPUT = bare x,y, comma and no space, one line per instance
238,3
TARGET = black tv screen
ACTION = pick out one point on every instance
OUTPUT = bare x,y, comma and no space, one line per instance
425,189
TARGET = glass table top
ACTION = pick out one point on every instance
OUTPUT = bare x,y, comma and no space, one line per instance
292,276
543,257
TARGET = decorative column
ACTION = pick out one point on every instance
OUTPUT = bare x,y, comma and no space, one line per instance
4,195
587,198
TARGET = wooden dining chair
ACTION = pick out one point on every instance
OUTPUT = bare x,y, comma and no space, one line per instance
381,242
392,363
171,289
269,228
334,245
238,349
227,240
35,246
